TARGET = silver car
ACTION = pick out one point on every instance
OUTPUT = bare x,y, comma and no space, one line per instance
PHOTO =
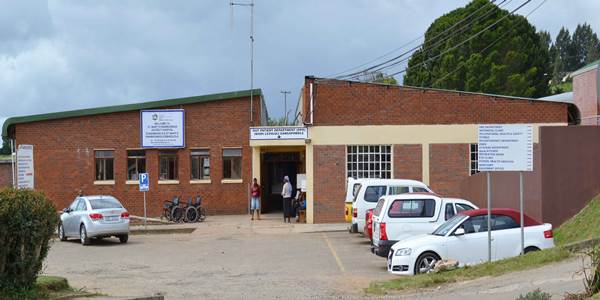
94,217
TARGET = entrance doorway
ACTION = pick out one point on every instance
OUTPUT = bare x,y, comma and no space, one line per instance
274,166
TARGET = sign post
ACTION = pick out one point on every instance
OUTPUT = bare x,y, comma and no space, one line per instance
144,187
505,147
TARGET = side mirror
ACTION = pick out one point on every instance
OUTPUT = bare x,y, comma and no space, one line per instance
66,210
459,231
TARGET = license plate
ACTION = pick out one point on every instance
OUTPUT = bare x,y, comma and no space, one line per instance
111,218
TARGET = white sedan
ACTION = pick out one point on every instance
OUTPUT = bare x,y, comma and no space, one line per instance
464,238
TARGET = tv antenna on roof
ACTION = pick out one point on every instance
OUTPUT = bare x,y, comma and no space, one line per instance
251,5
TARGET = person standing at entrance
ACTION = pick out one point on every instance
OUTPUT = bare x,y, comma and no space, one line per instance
255,201
286,193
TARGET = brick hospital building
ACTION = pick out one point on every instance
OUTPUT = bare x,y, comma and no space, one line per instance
349,129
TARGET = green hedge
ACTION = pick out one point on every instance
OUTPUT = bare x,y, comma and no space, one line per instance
27,222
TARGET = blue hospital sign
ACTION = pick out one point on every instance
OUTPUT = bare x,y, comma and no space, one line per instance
144,182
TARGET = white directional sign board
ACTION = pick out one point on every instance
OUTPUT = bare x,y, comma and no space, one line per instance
162,128
504,147
25,173
279,133
144,182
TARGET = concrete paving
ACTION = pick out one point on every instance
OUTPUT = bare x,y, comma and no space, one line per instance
230,257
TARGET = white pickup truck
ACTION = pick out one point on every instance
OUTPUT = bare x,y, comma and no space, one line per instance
398,217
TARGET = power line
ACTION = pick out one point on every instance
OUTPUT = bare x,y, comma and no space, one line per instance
468,39
431,46
487,47
425,49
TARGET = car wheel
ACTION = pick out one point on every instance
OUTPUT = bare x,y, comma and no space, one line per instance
426,262
531,249
124,238
61,232
85,240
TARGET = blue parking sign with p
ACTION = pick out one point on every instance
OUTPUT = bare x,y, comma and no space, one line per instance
144,182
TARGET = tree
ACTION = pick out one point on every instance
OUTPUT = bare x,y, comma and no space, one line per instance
5,150
510,58
585,46
276,122
379,77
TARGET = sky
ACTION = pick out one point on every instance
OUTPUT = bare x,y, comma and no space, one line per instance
64,55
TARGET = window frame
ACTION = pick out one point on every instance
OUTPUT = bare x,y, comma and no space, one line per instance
137,159
369,161
168,155
231,159
473,152
103,160
200,157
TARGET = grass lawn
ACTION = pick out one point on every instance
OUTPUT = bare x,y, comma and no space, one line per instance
519,263
581,227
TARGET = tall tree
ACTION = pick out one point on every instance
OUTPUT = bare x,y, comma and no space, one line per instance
509,58
5,150
585,46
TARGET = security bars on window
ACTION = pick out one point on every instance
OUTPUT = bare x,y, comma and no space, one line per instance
474,155
369,161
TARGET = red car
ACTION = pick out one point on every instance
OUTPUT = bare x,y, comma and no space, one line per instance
369,224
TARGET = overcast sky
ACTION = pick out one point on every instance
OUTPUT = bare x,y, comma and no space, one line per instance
63,55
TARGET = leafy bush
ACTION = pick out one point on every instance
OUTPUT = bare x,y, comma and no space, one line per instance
27,222
537,294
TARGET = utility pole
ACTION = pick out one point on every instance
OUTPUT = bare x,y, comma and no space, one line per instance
285,93
251,5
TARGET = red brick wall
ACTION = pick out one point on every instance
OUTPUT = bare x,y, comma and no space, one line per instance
345,103
408,162
5,176
448,167
64,156
585,96
329,183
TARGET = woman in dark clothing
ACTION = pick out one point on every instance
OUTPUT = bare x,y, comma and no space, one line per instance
286,193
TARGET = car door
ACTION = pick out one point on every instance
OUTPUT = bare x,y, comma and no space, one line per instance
80,212
69,218
507,235
408,217
471,247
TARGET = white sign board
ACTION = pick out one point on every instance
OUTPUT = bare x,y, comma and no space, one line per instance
144,182
278,133
25,167
505,147
301,182
163,128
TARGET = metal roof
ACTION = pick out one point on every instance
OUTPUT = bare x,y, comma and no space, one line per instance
126,107
564,97
586,68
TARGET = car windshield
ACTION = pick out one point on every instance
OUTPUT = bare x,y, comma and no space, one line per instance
108,202
451,223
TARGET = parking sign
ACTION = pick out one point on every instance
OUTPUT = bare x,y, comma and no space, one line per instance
144,182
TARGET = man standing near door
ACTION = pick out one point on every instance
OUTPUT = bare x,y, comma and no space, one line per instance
255,202
286,193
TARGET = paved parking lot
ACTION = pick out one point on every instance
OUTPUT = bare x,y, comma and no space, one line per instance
232,258
217,262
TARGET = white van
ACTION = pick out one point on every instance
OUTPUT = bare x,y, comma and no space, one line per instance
398,217
370,190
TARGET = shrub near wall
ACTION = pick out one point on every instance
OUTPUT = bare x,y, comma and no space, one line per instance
27,222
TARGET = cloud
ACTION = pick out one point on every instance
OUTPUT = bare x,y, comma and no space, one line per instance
73,54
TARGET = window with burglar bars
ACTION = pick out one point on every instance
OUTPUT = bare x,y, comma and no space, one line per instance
104,165
168,165
136,163
369,161
474,154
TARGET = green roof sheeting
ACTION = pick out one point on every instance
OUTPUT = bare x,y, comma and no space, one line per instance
126,107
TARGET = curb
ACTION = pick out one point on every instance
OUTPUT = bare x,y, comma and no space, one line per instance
161,231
